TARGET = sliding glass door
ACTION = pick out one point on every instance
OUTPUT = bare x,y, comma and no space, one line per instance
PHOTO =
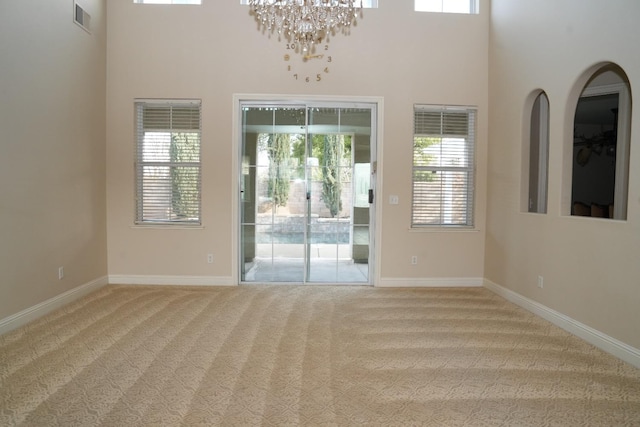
306,188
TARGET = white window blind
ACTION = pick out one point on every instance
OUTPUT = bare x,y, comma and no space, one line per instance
443,166
168,162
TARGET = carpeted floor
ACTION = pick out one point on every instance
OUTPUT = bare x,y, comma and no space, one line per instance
306,355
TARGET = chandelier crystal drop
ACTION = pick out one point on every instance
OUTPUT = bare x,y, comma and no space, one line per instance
305,22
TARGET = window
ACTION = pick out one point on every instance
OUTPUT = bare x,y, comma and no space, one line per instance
601,144
538,159
168,1
367,4
168,162
447,6
443,166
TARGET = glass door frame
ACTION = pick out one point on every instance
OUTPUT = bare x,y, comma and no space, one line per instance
306,102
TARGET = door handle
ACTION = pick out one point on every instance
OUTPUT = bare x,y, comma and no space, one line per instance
370,196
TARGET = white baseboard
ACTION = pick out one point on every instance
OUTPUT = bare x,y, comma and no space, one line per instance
25,316
436,282
121,279
602,341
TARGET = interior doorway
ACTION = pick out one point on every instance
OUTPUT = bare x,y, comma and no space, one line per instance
306,183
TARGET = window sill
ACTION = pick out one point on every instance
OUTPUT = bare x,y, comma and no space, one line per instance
167,226
435,229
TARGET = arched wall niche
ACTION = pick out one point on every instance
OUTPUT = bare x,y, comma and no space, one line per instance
535,152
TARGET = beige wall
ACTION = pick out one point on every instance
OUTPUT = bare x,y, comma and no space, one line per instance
52,161
590,266
53,108
214,51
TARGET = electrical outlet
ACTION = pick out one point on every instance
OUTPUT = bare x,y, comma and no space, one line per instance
393,200
414,260
60,273
540,282
209,258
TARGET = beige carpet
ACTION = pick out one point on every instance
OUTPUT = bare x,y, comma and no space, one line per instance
305,355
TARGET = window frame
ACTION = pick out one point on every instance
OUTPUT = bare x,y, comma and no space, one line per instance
474,8
141,217
171,2
366,4
469,167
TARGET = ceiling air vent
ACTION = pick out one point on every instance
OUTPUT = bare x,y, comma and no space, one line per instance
81,17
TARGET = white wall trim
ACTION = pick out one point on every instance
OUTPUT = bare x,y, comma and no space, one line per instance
121,279
602,341
32,313
435,282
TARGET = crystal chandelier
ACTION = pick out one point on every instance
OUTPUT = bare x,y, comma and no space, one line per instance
305,22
